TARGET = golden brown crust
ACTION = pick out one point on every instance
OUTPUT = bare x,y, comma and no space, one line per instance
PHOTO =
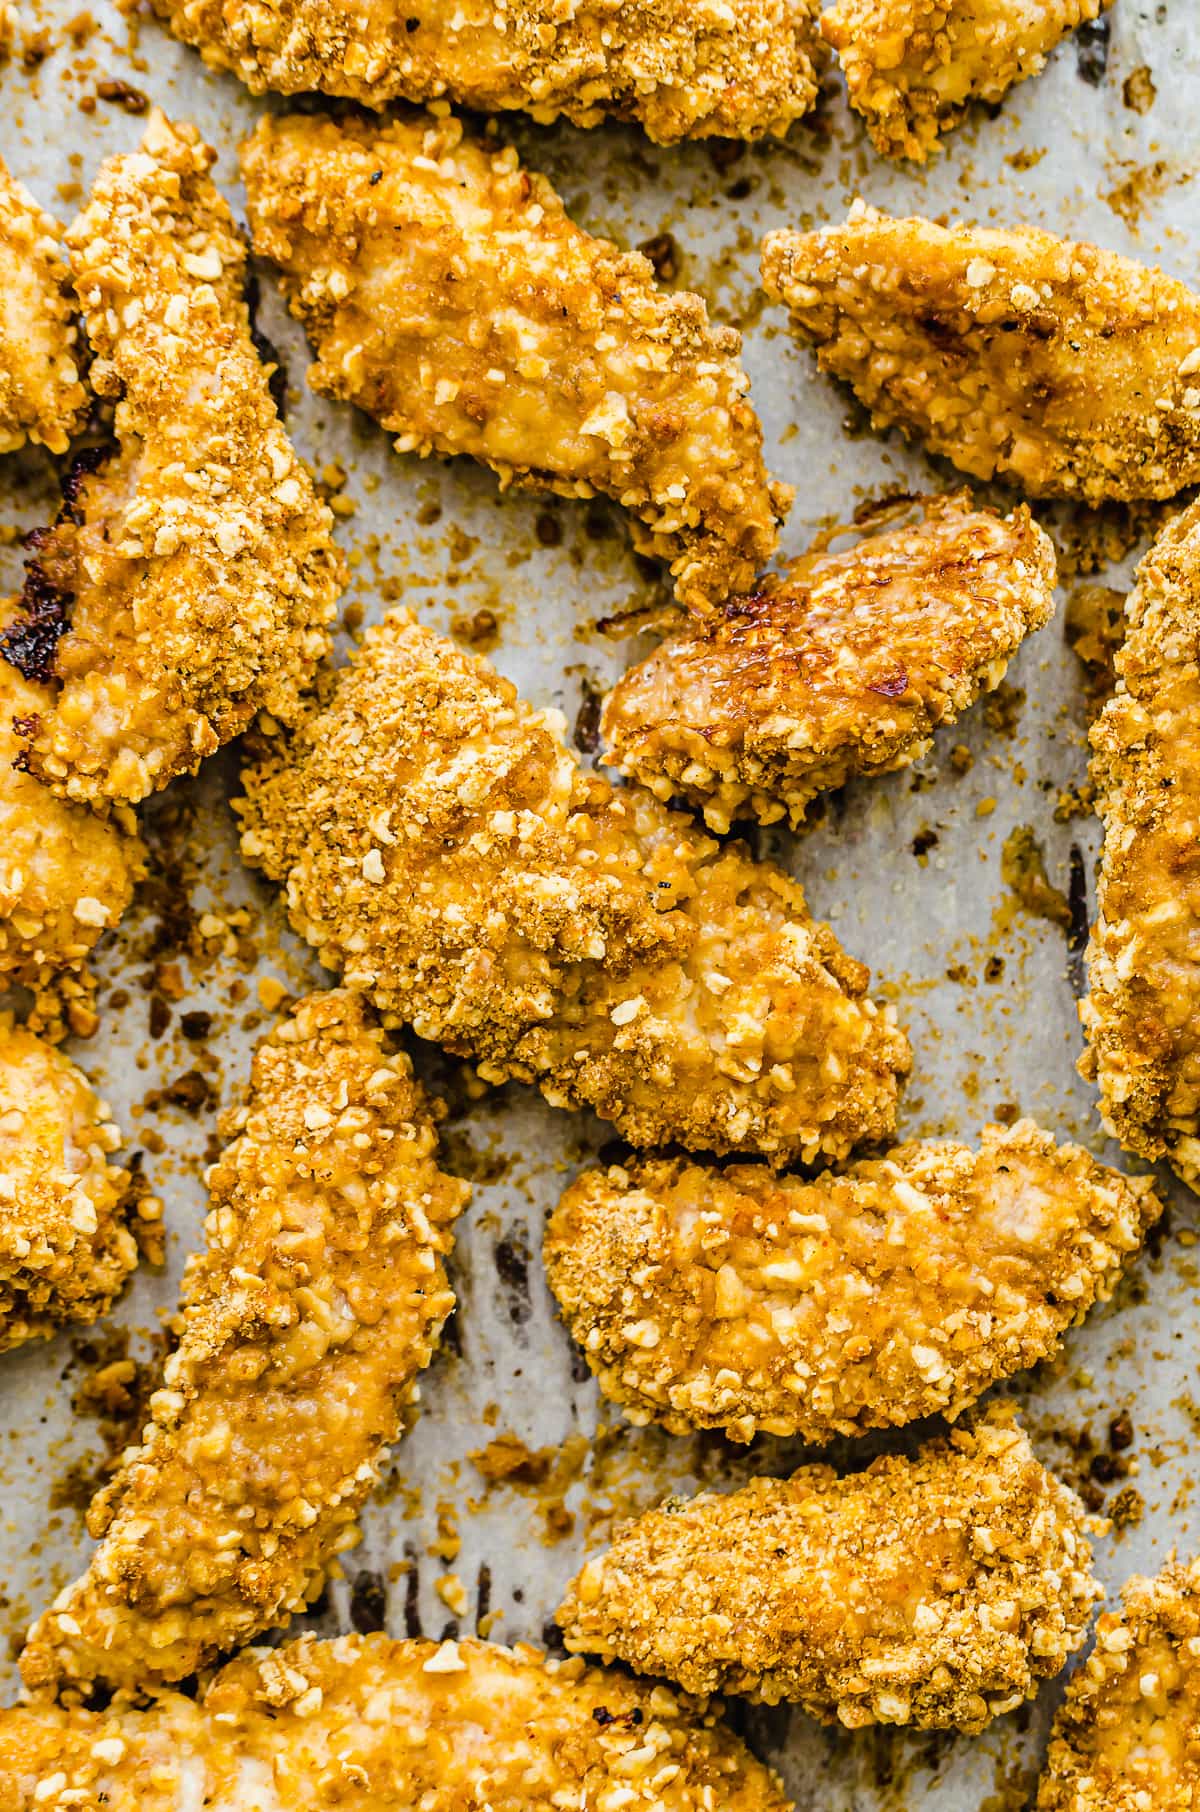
65,1247
898,1288
1069,370
845,664
41,396
934,1590
1127,1738
200,560
1142,1015
65,877
447,293
363,1724
441,846
318,1299
680,69
913,67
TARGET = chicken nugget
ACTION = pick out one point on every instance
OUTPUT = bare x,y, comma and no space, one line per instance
41,396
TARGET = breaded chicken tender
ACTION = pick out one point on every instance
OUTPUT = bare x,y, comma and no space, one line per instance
1063,369
844,664
1142,1014
440,844
447,293
198,556
935,1590
900,1287
737,69
913,67
41,396
1127,1738
318,1299
65,877
362,1724
65,1245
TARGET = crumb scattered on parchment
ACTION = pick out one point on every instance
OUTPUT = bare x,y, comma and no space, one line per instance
1023,866
1094,628
544,1473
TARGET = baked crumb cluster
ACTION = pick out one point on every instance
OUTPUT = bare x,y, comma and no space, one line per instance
200,561
679,68
935,1590
897,1288
66,1248
1065,369
913,67
1127,1738
42,398
384,1726
842,665
317,1300
447,293
1141,1014
441,846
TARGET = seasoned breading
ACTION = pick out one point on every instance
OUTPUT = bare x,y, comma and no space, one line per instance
900,1287
65,1246
1065,369
65,877
362,1724
1127,1738
41,396
447,293
200,561
1142,1015
680,70
913,67
934,1590
440,845
845,664
318,1299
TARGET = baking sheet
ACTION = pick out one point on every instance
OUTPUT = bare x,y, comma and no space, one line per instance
908,869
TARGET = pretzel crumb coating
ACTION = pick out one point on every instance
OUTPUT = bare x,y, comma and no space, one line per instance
364,1724
913,67
65,1246
447,293
199,558
678,68
41,396
441,846
898,1288
65,876
845,664
317,1300
933,1590
1142,1014
1127,1738
1065,369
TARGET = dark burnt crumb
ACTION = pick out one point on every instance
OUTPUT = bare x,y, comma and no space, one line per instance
123,94
925,840
159,1017
993,969
580,1370
1007,1112
1091,49
195,1026
1077,930
428,514
480,630
268,352
368,1602
548,529
587,718
412,1592
663,252
1120,1432
483,1596
723,153
512,1268
1127,1508
30,642
192,1091
1002,708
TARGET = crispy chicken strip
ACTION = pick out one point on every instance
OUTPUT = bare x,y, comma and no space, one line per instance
913,67
305,1321
199,559
41,396
1127,1738
441,846
1067,370
1142,1015
362,1724
901,1287
845,664
65,877
447,293
65,1245
680,70
934,1590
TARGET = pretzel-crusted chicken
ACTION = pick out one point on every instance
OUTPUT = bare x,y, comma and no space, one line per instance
318,1299
447,293
41,396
